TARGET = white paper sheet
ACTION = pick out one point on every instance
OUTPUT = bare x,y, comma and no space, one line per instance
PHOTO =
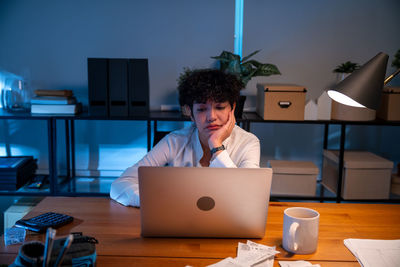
372,253
297,264
250,254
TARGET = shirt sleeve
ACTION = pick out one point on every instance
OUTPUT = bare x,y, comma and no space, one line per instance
249,157
125,189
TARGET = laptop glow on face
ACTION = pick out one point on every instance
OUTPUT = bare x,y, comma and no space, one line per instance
204,202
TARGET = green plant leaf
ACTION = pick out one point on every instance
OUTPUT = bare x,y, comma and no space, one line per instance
396,60
255,63
234,67
347,67
249,56
225,58
267,70
244,69
246,78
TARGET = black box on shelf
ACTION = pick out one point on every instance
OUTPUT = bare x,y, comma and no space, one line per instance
15,172
98,86
138,87
118,87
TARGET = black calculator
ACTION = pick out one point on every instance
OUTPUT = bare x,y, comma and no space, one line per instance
43,221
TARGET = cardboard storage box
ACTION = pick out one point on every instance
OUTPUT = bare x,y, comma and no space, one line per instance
293,178
365,175
395,187
281,101
390,104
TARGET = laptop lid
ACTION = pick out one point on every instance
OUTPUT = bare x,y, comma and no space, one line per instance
204,202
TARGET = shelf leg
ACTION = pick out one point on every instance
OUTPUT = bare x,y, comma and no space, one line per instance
341,156
326,135
73,173
53,175
148,135
67,150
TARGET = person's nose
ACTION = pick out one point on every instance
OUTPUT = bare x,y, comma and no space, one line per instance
211,116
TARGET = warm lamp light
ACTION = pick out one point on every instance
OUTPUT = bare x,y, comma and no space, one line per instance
363,88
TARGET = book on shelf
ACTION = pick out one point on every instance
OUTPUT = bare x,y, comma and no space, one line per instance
42,92
56,108
51,100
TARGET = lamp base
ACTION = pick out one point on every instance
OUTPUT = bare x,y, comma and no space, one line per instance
347,113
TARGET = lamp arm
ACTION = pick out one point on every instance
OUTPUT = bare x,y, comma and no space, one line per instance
389,78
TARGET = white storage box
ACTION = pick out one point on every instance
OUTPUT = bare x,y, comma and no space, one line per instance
293,178
15,213
365,175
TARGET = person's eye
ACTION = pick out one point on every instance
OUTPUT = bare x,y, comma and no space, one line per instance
221,107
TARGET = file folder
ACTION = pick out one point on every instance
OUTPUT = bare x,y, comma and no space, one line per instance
138,84
98,86
118,87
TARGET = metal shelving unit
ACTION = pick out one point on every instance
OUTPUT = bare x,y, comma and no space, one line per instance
254,118
69,181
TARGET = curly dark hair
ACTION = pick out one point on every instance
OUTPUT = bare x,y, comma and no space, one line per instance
201,85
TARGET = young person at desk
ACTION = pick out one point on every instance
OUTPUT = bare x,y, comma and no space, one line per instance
213,140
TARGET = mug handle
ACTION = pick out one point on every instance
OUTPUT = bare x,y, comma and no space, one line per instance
292,236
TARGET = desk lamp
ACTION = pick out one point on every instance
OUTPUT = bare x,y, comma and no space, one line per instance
363,88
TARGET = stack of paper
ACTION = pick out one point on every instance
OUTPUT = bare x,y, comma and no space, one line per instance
297,264
250,254
371,253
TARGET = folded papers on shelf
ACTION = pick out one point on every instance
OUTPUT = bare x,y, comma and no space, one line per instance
250,254
372,252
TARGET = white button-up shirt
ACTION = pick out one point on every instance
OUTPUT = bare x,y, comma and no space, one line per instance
182,148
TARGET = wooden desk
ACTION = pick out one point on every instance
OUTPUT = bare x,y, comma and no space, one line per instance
118,230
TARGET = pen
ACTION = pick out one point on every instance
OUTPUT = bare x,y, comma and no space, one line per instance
50,235
67,244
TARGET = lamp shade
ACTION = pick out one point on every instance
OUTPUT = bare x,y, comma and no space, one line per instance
363,88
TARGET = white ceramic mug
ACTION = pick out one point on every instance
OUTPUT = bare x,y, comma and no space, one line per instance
300,230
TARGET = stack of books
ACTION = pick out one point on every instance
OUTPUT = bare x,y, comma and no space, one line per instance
55,102
15,172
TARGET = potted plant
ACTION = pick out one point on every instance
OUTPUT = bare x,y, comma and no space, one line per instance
396,60
396,64
343,70
245,70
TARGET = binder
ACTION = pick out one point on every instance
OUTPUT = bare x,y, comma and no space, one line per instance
118,87
138,84
98,86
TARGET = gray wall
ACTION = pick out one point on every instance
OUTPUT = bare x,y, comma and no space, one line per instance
51,40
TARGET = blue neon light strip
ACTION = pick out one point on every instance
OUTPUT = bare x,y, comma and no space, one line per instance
238,38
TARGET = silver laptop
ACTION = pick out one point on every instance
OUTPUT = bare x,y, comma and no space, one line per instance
204,202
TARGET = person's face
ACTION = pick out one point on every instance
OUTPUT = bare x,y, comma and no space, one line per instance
210,116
